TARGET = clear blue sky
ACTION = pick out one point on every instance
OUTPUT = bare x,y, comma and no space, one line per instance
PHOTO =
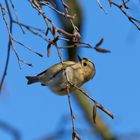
35,111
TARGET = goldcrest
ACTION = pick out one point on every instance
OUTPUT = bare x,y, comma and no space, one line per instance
57,76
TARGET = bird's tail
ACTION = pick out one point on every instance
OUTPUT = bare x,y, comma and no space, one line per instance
32,79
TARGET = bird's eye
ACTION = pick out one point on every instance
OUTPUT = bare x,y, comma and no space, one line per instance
85,64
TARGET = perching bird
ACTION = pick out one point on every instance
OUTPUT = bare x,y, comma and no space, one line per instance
60,76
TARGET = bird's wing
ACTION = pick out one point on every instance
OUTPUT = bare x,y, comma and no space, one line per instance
55,69
42,72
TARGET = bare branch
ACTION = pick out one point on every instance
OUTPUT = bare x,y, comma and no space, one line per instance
16,15
133,20
8,50
95,102
101,6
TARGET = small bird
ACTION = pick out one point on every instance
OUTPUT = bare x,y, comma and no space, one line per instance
59,76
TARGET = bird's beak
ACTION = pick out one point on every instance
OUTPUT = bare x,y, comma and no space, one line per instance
79,58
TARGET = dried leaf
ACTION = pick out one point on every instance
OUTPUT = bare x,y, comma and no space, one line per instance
54,30
48,49
101,50
29,64
94,113
99,43
105,110
47,31
75,136
39,54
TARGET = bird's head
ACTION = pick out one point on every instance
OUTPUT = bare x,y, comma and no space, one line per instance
88,68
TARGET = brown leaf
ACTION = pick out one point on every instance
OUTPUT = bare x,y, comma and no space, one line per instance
99,43
48,49
94,113
101,50
47,31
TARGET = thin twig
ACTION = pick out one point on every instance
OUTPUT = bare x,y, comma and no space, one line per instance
101,6
28,27
31,50
8,50
61,13
71,111
74,133
76,33
133,20
11,37
16,15
96,103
